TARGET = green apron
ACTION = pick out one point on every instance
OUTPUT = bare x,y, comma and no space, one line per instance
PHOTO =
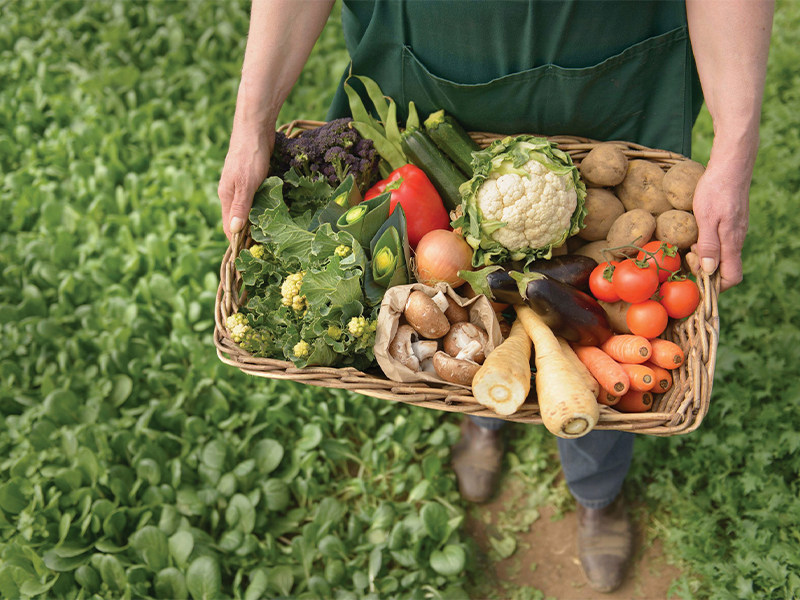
617,69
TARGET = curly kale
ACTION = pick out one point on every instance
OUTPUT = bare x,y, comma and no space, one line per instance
331,151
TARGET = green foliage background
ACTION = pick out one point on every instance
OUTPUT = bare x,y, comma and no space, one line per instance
133,463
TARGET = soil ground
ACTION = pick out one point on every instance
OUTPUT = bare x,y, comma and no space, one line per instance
546,557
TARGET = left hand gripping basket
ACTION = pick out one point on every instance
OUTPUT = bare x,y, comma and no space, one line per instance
678,411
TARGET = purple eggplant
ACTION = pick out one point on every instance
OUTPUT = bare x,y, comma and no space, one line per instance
572,269
569,312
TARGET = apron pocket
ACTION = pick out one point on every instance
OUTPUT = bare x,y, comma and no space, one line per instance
640,95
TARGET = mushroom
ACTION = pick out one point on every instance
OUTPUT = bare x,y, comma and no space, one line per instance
460,336
454,370
425,316
470,351
424,349
440,299
455,313
400,348
407,349
426,366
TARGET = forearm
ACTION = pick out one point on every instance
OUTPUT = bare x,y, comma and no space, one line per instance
730,40
281,36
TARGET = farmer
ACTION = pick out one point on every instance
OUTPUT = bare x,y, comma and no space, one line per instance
634,71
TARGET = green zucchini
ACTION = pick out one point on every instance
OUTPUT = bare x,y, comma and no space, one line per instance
452,139
444,175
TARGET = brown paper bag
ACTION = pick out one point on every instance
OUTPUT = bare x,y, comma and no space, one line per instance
390,318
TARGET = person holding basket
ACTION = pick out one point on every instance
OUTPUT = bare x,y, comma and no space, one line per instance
610,70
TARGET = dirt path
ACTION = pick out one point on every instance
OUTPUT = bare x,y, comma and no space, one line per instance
546,558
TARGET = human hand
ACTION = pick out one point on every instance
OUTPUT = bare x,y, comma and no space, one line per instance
246,166
721,207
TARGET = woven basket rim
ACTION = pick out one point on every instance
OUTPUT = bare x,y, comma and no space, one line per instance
679,411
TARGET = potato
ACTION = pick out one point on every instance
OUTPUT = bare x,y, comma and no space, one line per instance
616,312
602,209
679,183
604,165
595,250
633,227
677,227
642,188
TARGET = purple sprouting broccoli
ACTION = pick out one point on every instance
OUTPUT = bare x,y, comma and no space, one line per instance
333,150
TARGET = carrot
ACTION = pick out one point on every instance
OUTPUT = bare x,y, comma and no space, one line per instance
627,348
666,354
579,367
504,380
611,377
635,401
642,378
603,397
568,408
663,378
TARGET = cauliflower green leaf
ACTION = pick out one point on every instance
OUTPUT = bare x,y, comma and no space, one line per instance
301,285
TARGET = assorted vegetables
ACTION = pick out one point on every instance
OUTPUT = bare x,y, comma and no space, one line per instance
588,277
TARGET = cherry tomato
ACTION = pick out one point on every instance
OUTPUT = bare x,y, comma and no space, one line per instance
648,319
679,298
634,283
665,256
602,288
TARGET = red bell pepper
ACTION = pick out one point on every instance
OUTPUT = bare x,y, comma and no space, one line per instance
412,189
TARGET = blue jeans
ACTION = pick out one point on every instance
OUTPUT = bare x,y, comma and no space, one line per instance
594,465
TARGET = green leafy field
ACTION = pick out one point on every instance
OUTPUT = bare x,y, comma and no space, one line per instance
133,463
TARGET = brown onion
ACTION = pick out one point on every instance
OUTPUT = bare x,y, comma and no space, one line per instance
440,255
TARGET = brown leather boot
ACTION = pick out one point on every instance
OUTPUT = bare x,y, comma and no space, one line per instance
605,544
476,459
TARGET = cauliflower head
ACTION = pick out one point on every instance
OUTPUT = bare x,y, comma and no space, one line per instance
524,199
290,292
238,326
536,207
358,326
301,349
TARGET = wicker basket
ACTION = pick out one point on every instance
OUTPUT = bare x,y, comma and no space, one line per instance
680,410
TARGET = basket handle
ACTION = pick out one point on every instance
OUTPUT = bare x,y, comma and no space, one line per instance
229,277
238,241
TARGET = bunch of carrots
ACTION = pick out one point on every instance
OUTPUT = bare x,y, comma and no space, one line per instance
627,370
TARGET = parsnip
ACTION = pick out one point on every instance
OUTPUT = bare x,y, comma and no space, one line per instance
504,380
569,409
